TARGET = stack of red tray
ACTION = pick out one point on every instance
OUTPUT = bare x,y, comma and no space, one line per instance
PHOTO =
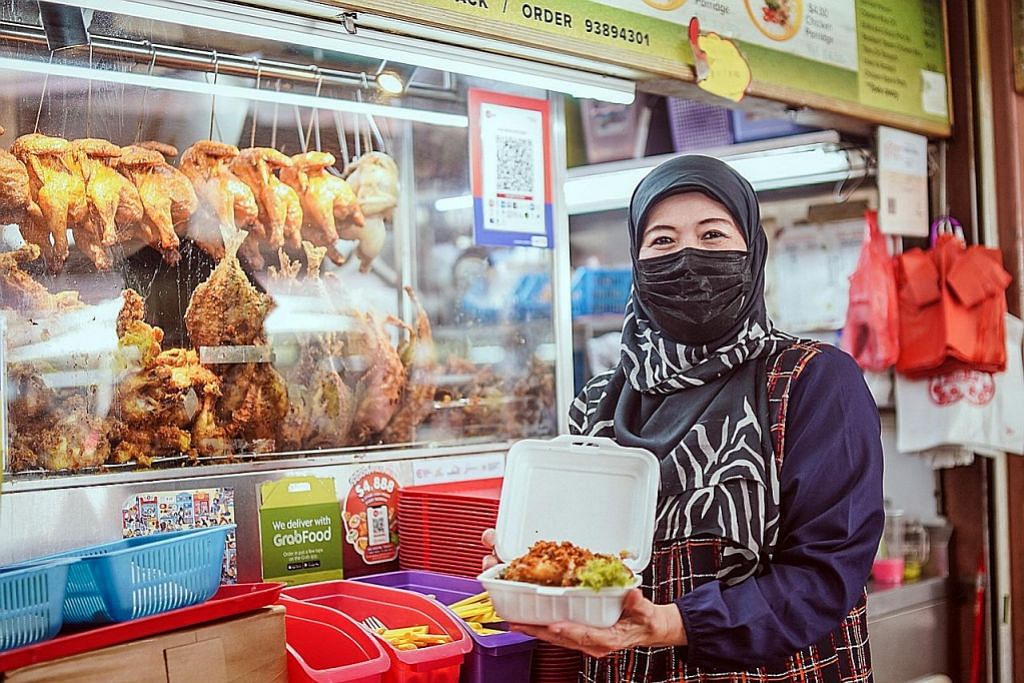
440,525
552,664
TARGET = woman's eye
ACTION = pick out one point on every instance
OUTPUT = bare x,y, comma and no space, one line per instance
662,241
713,235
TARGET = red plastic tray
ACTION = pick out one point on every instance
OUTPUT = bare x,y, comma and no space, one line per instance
229,601
478,489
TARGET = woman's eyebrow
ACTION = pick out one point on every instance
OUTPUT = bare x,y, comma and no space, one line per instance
715,219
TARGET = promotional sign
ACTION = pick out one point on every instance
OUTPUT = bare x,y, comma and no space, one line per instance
300,530
161,511
876,59
510,170
370,516
902,183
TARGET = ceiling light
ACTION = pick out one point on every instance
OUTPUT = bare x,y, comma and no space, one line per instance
390,82
225,90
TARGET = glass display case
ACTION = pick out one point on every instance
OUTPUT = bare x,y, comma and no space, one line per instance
220,247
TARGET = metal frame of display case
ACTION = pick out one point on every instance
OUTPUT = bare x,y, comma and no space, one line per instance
47,513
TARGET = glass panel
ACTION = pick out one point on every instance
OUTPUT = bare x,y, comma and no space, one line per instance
135,337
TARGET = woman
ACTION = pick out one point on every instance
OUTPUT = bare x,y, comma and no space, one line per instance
770,508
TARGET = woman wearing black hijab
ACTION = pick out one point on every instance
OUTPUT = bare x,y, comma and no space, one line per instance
770,508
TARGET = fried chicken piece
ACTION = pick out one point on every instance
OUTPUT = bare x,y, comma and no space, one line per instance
168,200
52,432
549,564
15,195
533,402
57,189
419,359
134,332
374,179
226,309
20,292
321,405
115,206
254,402
329,205
228,203
168,152
380,388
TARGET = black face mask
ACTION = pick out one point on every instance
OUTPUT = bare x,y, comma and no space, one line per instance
695,296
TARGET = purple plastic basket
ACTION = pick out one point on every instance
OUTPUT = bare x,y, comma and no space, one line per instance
696,125
506,657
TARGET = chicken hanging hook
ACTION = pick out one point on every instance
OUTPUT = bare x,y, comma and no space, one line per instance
256,104
213,98
88,99
145,93
314,119
339,128
42,96
277,110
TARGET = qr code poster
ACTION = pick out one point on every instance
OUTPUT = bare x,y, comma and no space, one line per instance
510,158
370,515
153,513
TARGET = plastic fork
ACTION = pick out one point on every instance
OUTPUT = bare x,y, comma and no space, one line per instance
374,624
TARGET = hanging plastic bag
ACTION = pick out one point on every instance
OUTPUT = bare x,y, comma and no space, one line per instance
977,410
951,307
871,331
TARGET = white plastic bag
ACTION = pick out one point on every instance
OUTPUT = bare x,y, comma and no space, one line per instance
965,408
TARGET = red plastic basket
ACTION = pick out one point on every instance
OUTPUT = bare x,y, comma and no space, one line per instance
325,646
397,609
229,601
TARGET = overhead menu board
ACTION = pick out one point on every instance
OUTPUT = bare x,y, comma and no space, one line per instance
879,60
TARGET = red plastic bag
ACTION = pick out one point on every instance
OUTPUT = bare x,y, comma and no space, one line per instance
952,305
870,333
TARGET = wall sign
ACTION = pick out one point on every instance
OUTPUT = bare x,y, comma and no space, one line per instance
879,60
902,183
510,170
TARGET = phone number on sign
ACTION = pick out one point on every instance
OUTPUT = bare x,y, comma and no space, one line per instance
606,30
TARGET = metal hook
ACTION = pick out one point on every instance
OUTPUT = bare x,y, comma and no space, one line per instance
213,98
42,96
145,93
359,131
88,99
303,140
277,109
339,128
314,119
256,104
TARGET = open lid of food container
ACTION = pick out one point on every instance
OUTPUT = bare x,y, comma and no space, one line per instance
586,490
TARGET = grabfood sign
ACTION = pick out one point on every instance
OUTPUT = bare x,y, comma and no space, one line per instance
300,530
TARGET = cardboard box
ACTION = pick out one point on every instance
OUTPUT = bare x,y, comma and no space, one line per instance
247,649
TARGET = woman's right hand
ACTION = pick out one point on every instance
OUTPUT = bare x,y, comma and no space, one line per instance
488,540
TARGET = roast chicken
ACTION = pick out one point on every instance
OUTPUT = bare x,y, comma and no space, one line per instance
114,202
379,389
329,207
280,210
58,192
168,198
20,292
15,197
374,179
227,204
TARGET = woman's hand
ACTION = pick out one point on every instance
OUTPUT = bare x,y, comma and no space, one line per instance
642,624
488,540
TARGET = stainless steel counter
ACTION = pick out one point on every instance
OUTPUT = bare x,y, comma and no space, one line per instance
913,618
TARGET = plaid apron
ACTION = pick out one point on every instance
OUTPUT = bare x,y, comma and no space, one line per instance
678,567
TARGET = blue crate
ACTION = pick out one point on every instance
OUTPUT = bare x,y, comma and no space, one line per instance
140,577
597,291
531,297
748,127
31,602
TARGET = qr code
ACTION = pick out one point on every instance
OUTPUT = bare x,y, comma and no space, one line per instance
378,532
515,164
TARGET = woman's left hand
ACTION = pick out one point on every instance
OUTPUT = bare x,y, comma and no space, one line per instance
642,624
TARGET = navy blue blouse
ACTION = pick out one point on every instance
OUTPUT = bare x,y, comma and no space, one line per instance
831,508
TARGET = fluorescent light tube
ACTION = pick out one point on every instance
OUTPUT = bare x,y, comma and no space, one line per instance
313,32
225,90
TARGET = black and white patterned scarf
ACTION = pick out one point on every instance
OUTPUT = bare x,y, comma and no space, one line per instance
703,410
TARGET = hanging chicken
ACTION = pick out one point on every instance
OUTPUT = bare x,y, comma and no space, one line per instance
114,202
168,200
329,206
280,210
374,179
15,195
420,362
228,205
58,191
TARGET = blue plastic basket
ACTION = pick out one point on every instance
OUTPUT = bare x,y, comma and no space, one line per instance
31,601
531,297
140,577
600,290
